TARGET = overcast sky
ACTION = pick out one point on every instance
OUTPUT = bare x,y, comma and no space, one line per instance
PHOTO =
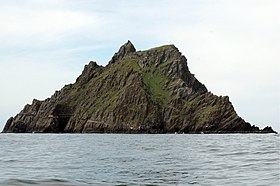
232,46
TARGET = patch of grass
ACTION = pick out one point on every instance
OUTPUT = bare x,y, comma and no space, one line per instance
156,49
165,64
107,100
128,64
155,83
76,95
162,47
202,110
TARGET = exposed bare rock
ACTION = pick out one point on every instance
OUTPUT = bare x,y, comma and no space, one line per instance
126,49
149,91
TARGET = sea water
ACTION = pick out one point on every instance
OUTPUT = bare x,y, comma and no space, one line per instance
139,159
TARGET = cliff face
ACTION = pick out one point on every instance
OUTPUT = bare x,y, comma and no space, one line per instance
149,91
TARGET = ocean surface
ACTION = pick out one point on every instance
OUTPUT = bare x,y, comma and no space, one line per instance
140,159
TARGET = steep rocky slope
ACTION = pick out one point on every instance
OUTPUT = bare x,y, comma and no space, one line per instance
149,91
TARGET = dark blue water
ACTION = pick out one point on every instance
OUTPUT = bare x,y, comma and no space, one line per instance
122,159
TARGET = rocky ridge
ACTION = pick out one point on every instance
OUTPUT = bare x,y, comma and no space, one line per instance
149,91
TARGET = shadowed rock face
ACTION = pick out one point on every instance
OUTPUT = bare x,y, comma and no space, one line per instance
149,91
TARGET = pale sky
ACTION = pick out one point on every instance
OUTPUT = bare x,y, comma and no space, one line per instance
232,46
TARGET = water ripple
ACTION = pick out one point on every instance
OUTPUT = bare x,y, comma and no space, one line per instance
116,159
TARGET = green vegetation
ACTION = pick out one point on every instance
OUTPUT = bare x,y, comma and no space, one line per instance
165,64
154,83
127,65
203,111
162,47
153,79
76,95
156,49
152,76
109,96
106,100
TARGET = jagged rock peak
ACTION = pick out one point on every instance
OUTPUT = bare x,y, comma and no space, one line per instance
128,46
125,49
90,70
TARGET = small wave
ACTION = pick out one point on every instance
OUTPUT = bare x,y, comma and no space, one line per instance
9,161
45,182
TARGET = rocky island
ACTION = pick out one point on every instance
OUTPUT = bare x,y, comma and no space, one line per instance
149,91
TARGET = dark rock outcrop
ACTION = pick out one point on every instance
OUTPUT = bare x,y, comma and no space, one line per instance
149,91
